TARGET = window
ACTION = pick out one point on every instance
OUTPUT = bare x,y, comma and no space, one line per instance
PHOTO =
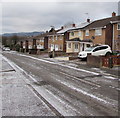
98,32
56,38
76,46
87,33
118,26
96,49
61,37
69,45
79,33
72,33
56,47
60,47
87,45
103,47
53,38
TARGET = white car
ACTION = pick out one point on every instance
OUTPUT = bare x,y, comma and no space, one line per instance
103,50
6,49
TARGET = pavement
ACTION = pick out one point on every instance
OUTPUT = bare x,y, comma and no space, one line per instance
18,99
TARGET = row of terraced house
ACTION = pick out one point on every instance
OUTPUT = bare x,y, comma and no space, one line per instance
72,38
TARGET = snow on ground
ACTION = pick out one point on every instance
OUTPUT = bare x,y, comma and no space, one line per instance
51,98
18,99
75,88
109,77
56,63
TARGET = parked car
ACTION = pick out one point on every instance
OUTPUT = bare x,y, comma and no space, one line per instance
103,50
6,49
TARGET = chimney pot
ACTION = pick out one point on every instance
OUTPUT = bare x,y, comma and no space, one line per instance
62,27
88,20
113,14
73,25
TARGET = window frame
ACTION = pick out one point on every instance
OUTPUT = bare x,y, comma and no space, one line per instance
87,32
72,33
80,33
76,45
98,33
118,26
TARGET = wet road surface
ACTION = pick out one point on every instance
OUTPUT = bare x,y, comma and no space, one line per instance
69,91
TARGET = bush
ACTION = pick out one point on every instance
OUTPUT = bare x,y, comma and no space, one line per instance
17,47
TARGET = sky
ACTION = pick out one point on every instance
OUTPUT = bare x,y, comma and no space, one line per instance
40,16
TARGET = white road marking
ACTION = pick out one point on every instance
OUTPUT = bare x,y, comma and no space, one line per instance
90,83
109,77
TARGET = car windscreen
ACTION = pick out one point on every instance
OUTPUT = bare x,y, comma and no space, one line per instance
89,49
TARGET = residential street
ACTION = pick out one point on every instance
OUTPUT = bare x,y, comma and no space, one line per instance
34,86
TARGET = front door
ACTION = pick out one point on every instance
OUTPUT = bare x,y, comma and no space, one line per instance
76,47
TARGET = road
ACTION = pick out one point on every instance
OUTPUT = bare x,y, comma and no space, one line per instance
67,90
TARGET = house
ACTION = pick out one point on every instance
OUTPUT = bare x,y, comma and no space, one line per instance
26,43
102,31
116,35
42,41
57,40
76,42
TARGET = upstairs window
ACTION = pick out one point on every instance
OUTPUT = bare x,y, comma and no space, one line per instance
98,32
61,37
79,33
118,26
72,33
56,37
87,33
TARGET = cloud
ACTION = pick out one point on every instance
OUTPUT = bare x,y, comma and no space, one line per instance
20,17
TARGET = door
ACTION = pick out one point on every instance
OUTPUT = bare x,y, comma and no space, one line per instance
76,47
52,47
56,47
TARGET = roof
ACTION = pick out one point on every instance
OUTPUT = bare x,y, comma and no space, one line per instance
80,26
64,30
102,22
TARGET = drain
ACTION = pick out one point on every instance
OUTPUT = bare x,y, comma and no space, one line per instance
7,70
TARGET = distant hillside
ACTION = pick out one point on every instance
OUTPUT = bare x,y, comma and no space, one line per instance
23,34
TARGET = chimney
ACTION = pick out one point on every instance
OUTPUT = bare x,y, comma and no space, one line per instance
62,27
113,14
88,20
73,25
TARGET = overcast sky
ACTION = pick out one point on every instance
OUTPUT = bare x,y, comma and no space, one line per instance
32,16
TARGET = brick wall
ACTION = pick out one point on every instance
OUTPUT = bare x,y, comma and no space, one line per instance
94,60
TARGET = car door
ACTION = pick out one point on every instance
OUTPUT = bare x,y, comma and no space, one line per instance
96,51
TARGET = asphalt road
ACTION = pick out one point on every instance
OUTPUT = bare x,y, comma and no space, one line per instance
69,91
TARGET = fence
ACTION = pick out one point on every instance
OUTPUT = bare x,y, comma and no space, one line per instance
111,61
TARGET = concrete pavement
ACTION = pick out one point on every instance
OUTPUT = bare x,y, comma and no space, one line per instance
17,97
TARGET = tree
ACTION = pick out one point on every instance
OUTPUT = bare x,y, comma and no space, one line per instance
4,40
14,39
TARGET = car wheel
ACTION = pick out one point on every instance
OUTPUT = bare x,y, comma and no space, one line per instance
108,54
